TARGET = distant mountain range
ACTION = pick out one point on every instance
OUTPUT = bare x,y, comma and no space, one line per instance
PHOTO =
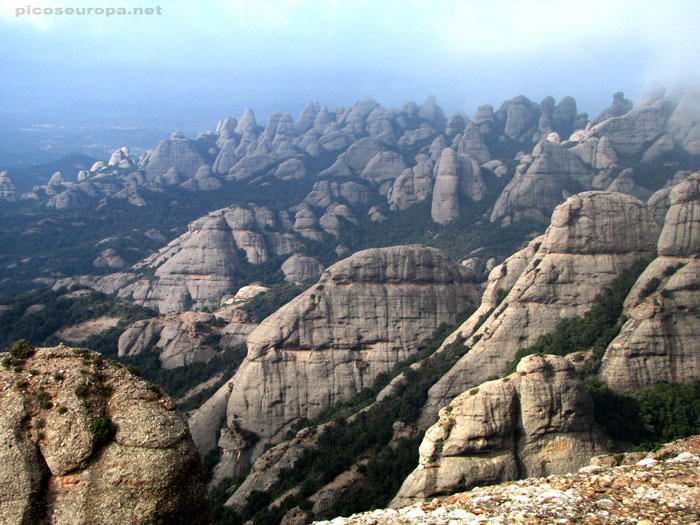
367,304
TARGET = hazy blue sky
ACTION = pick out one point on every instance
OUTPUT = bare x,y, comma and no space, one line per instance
203,60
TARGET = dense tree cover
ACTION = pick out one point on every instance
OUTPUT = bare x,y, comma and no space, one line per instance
42,242
60,310
596,329
264,304
457,238
365,438
655,174
178,381
647,419
56,310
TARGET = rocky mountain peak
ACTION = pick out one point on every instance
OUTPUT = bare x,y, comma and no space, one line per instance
620,106
8,192
248,119
335,338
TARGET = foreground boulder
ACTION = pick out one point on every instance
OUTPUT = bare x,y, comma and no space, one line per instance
535,422
83,440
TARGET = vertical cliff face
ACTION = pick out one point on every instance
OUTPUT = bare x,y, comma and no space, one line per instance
365,314
538,421
535,422
593,236
85,441
661,339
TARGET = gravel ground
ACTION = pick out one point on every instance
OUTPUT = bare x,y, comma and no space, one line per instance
660,487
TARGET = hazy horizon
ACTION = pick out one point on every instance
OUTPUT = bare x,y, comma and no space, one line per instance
194,64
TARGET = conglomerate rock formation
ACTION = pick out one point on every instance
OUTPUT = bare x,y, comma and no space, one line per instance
85,441
365,314
535,422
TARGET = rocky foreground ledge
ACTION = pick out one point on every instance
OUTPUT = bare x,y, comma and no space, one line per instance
635,488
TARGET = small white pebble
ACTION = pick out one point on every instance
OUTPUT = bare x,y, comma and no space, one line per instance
460,514
682,458
590,469
646,462
415,513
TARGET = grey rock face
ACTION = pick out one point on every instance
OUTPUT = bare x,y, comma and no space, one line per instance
306,223
564,117
384,166
629,133
661,147
535,192
598,153
306,118
247,121
149,473
226,129
198,269
267,469
433,113
194,270
684,123
8,192
472,143
412,186
361,153
501,277
593,236
536,422
322,119
325,192
178,339
68,198
456,174
619,107
322,194
202,181
109,258
455,125
335,338
291,169
661,339
423,135
354,119
56,179
624,183
355,194
227,157
176,153
519,117
445,206
484,116
680,236
121,159
299,269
